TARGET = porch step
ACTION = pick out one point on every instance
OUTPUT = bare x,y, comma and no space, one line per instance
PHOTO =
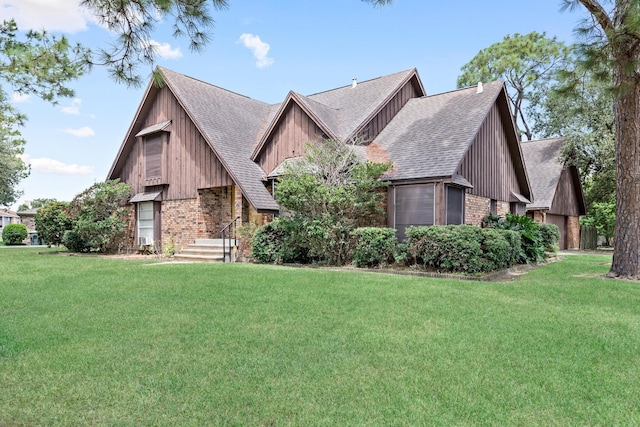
204,250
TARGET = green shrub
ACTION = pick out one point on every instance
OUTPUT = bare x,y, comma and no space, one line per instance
463,248
52,221
374,247
550,235
532,246
279,242
14,234
500,248
73,242
99,216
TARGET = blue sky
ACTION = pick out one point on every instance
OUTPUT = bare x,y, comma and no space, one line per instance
261,49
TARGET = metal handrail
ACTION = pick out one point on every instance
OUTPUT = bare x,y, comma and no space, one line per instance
222,233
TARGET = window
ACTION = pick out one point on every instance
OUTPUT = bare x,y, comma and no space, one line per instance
145,223
455,205
153,156
517,208
414,205
493,207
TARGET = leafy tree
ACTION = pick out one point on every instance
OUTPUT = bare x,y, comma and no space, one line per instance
612,41
99,217
35,204
328,194
13,169
525,62
579,106
52,221
602,215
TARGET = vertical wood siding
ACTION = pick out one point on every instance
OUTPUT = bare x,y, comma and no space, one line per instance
188,160
294,129
565,201
488,164
388,112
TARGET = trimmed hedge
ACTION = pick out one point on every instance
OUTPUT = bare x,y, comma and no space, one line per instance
14,234
375,246
463,248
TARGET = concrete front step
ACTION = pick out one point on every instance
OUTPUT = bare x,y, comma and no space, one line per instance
204,250
198,257
214,242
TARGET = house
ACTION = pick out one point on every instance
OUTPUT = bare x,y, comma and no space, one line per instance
28,218
199,156
557,189
7,217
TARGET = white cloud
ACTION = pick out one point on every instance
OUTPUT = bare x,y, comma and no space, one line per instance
259,48
82,132
165,51
74,108
18,97
56,167
58,15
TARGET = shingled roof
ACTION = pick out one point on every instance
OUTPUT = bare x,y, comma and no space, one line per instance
430,135
230,132
356,105
544,164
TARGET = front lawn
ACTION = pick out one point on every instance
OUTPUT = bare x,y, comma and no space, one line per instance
94,341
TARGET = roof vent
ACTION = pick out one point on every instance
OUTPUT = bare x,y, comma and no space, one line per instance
480,89
354,82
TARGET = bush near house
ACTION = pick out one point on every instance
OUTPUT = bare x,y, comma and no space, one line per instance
279,242
14,234
99,218
52,221
462,248
374,246
535,241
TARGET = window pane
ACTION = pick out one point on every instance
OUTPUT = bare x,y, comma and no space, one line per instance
414,205
455,205
145,222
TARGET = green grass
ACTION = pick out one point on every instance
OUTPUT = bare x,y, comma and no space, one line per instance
94,341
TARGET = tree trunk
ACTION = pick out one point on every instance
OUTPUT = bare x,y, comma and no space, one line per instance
626,254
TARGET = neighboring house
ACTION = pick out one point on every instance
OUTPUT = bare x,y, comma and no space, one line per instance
557,189
199,156
28,218
7,217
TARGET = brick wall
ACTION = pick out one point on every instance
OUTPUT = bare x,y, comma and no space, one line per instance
573,232
502,208
201,218
539,216
475,209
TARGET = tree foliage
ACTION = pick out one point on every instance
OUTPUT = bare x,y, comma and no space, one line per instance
328,194
52,221
579,106
525,62
36,203
99,217
13,169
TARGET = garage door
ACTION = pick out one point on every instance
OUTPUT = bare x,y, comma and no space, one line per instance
561,222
